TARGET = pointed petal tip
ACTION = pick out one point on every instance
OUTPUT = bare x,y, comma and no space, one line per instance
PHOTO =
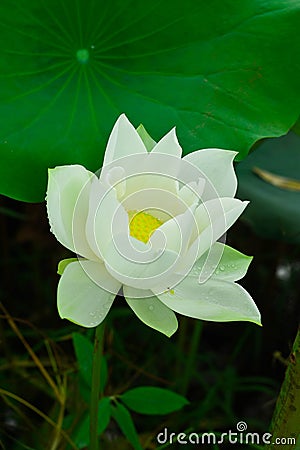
256,320
123,141
169,144
122,116
227,152
174,135
170,333
233,153
245,204
60,313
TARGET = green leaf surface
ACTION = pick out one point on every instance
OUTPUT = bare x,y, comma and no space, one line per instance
273,212
225,73
82,434
125,422
153,400
84,355
296,127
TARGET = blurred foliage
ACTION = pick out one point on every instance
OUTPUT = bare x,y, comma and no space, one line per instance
270,178
235,373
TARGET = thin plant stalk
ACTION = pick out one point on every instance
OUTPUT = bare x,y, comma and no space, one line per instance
181,340
96,386
191,357
286,418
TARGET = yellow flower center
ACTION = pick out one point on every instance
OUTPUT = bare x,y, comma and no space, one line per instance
142,225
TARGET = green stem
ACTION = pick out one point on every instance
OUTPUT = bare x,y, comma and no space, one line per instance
192,355
286,419
180,344
96,386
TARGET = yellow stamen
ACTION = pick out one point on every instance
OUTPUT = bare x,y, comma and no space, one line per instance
142,225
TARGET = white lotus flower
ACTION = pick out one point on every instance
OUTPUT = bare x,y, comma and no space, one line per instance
149,224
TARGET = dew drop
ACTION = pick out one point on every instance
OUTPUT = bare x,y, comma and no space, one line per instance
151,308
222,268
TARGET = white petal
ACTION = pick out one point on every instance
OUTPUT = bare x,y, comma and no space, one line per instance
221,262
67,206
136,264
168,145
217,165
143,172
175,234
123,141
148,182
97,272
216,300
214,218
192,192
106,217
151,311
152,171
115,177
80,298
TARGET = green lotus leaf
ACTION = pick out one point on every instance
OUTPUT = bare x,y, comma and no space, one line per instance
296,127
225,73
